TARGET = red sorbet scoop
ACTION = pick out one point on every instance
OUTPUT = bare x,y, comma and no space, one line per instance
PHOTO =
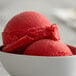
18,25
47,47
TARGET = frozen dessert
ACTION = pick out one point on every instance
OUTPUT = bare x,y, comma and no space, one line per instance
48,47
30,33
19,24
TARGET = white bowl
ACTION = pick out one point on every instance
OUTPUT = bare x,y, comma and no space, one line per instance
25,65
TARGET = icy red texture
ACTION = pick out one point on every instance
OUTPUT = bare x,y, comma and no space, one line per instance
18,25
47,47
30,33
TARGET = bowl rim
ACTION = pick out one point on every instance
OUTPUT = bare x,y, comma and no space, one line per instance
58,57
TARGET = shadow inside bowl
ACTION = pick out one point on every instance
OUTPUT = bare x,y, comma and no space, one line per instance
1,47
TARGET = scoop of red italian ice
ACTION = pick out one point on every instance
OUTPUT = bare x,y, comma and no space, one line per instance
47,47
19,24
